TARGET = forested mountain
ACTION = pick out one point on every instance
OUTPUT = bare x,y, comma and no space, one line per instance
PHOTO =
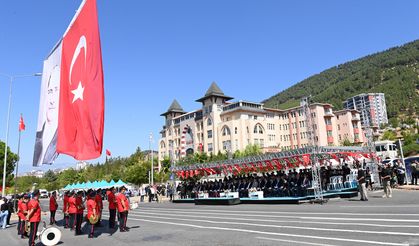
394,72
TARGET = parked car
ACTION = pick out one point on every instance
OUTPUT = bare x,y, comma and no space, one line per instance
43,193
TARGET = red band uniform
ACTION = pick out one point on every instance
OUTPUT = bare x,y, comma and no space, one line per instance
72,210
99,203
34,218
22,213
79,215
65,209
53,205
92,210
112,208
123,207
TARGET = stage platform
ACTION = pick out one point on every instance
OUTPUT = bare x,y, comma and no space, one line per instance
217,201
343,193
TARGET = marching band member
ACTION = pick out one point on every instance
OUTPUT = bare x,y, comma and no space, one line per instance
123,207
65,208
22,213
53,205
34,216
79,213
72,209
92,212
112,207
99,203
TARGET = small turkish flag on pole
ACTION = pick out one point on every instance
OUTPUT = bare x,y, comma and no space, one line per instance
81,110
108,153
21,124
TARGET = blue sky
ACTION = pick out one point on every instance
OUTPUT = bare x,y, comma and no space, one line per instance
155,51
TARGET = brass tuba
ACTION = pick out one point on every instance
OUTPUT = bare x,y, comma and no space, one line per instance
93,219
27,226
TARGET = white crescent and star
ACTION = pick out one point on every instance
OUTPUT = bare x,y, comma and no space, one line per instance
78,92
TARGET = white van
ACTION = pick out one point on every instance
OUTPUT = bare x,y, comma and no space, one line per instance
43,193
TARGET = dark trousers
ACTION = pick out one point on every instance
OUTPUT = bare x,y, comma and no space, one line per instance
112,215
19,224
92,230
79,220
415,178
52,217
66,221
72,221
32,234
123,220
8,217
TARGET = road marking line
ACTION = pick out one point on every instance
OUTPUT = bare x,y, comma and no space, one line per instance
383,206
292,241
275,212
308,218
285,227
287,221
272,233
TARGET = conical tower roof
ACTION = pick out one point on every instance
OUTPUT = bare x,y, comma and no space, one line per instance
174,108
214,91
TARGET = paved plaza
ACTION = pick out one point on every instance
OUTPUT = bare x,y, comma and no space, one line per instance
379,221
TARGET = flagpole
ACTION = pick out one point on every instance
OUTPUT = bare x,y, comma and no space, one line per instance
12,78
18,155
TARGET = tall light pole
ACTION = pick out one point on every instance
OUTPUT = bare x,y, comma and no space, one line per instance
152,161
11,78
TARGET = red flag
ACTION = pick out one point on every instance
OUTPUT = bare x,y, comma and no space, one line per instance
108,153
81,110
277,164
306,159
21,124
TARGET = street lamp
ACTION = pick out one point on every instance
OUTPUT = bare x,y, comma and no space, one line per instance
152,164
11,78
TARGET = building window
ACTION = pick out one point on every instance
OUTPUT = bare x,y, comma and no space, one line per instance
329,133
227,145
209,134
210,147
209,122
262,143
235,130
328,122
256,141
258,129
225,131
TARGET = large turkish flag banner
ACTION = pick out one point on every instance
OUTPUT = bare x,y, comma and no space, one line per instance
81,113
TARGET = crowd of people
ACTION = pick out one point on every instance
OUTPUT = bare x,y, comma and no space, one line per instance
77,207
273,184
293,183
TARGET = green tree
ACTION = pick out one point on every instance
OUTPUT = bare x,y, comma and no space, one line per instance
66,177
12,158
50,181
137,173
347,142
389,135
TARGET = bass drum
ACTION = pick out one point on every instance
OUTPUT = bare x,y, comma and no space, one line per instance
50,236
134,206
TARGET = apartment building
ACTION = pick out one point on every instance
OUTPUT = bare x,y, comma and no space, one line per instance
220,125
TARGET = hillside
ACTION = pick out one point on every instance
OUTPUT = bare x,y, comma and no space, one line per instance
394,72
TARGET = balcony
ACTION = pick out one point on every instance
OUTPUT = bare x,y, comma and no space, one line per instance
328,114
356,118
329,128
330,140
356,130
